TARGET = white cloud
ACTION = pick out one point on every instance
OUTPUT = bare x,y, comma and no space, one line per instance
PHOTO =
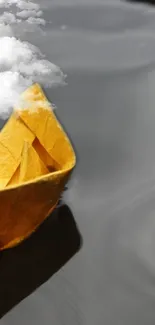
29,13
8,18
50,73
5,30
8,3
36,21
21,4
12,84
26,5
21,63
13,51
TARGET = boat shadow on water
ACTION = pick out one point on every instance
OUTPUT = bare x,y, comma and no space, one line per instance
152,2
24,268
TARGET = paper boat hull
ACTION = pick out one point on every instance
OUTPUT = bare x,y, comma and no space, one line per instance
24,206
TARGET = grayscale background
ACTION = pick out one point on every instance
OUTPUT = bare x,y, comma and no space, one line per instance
107,50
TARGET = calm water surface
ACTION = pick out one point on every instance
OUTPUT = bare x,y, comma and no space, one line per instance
107,49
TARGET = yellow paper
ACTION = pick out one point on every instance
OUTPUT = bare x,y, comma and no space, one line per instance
31,165
36,159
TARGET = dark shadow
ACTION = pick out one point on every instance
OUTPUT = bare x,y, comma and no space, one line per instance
152,2
24,268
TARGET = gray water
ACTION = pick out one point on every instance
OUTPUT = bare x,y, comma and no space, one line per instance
107,50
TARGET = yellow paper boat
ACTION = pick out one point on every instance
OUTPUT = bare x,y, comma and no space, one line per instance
36,159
